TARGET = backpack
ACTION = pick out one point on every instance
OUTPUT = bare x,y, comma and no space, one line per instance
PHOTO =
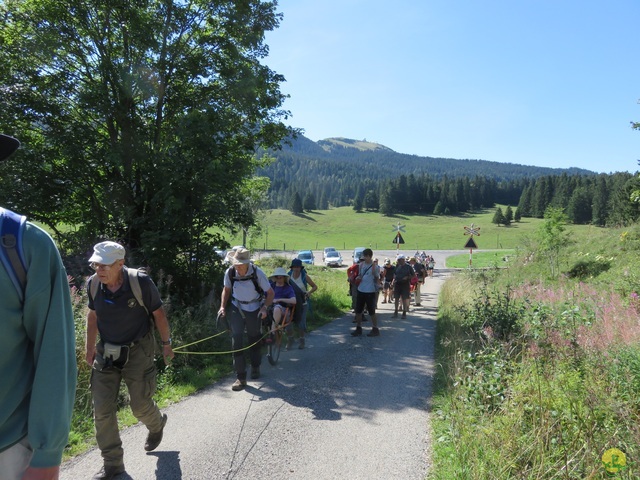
301,297
134,283
253,277
352,273
11,254
303,274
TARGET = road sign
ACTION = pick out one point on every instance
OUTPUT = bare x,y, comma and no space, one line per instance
472,230
471,243
398,228
398,239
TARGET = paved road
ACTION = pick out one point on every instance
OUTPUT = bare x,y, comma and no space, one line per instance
343,408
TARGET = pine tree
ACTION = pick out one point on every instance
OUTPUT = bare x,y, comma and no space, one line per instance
508,216
498,217
295,205
309,202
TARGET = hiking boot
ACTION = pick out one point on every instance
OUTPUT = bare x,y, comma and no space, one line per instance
404,314
357,332
375,332
255,372
395,314
238,385
290,342
154,438
108,472
301,344
384,301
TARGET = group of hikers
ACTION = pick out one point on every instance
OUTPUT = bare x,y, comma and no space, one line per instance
396,282
38,354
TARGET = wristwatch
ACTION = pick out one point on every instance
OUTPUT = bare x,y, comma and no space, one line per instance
168,342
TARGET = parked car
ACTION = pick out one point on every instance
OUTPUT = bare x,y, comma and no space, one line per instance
357,253
306,256
325,251
333,259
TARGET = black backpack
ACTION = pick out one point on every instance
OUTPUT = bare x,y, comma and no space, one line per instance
301,297
253,277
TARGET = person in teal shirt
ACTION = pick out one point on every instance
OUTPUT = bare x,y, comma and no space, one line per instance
37,359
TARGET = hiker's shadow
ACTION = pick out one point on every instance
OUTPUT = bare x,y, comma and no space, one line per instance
323,406
168,466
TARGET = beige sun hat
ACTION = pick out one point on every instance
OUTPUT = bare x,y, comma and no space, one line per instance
240,257
280,272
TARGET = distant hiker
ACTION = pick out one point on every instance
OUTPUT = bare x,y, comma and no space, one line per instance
386,274
301,279
366,283
352,274
124,305
248,288
421,273
37,348
402,285
431,263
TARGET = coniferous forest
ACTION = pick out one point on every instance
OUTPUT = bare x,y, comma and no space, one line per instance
307,175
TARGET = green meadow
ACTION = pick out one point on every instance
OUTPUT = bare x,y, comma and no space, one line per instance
345,229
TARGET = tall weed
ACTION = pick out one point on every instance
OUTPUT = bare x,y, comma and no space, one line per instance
546,396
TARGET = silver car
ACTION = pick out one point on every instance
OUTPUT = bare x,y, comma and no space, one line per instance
333,259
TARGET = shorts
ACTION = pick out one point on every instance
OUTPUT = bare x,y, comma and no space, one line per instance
402,290
368,299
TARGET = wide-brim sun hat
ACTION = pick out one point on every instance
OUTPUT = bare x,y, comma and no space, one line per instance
279,272
241,256
107,253
296,262
8,145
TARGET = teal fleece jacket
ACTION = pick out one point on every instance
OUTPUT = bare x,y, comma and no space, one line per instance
37,353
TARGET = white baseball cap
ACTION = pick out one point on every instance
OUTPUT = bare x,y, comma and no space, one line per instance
107,253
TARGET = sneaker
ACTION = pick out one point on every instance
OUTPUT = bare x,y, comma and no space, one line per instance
374,332
301,344
418,304
154,438
239,385
108,472
255,373
357,332
290,341
404,314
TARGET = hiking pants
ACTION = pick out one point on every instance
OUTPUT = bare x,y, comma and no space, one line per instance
252,323
139,374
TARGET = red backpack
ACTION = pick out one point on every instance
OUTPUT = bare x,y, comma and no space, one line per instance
352,273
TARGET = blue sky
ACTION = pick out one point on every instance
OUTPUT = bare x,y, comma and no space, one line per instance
551,83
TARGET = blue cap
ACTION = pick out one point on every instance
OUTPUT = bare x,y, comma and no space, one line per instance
296,262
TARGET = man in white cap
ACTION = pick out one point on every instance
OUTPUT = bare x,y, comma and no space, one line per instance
250,292
126,351
37,350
